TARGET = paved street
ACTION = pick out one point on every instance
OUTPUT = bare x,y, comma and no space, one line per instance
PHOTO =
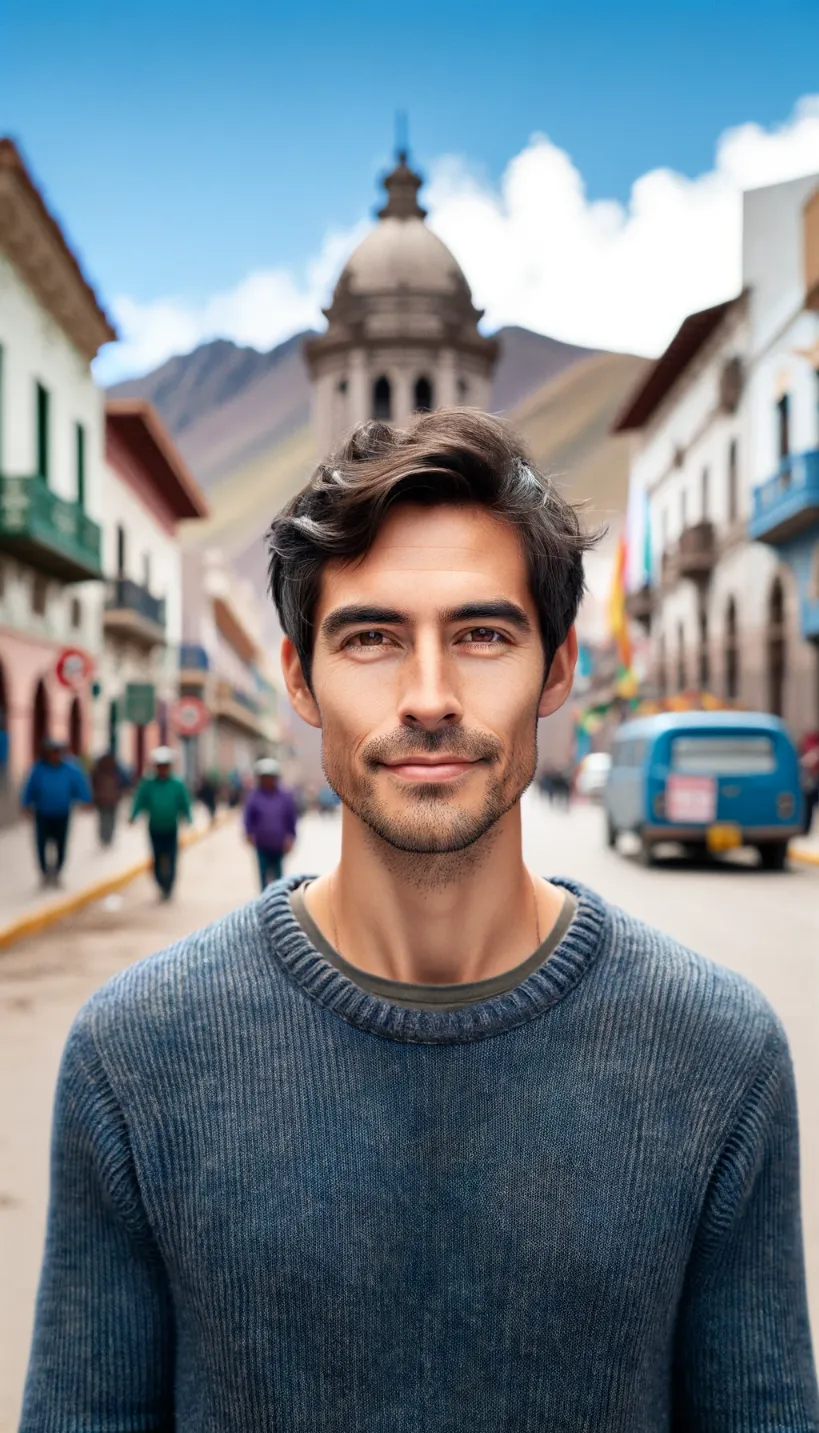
765,926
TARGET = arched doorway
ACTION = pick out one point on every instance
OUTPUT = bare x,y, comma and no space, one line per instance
777,648
423,395
39,720
731,652
75,728
382,398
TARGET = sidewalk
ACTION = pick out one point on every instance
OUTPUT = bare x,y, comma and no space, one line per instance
90,871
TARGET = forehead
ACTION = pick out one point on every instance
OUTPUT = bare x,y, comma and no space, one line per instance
432,556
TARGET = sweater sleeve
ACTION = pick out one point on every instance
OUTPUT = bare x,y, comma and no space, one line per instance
102,1349
743,1357
140,803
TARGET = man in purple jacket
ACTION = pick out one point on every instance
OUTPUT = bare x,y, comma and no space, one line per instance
270,820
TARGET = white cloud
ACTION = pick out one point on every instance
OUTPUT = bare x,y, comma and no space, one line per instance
536,251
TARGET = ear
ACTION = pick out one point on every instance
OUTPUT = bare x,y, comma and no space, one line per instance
301,698
558,684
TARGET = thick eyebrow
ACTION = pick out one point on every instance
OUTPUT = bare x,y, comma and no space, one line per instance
500,610
363,616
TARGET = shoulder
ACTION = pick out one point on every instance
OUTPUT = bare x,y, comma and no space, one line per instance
161,998
698,1003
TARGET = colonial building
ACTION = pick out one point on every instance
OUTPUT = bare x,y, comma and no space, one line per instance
402,331
724,438
223,662
51,475
149,490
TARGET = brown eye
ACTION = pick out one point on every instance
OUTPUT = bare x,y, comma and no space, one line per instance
368,639
486,635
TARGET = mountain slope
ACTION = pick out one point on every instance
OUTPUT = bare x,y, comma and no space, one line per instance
226,405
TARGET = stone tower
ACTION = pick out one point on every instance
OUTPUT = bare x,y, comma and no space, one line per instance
402,330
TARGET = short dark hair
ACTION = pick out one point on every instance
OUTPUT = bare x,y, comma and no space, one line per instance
454,455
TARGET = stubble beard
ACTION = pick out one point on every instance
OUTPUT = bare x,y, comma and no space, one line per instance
432,841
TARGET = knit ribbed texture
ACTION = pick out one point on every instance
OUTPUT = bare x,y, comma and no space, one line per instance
279,1203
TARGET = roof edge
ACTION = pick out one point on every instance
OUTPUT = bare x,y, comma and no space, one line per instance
143,411
691,336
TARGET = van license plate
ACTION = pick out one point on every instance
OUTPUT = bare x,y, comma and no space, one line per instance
723,836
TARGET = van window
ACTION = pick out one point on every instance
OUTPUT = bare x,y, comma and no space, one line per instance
728,755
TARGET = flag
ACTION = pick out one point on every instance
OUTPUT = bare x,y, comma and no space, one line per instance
618,616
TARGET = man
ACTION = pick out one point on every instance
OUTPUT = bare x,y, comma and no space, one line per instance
428,1142
53,787
165,798
270,820
108,782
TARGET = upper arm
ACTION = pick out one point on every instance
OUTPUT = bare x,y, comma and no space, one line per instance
102,1349
743,1356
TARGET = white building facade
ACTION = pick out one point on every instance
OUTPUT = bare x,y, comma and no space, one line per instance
718,597
51,478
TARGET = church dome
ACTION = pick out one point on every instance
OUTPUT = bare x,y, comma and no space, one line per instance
401,252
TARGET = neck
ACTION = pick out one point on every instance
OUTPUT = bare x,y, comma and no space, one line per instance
440,919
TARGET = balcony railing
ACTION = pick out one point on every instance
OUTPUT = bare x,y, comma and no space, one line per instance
123,593
48,532
788,503
640,604
697,552
193,658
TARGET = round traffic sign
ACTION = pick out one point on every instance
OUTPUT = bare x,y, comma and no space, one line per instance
189,716
74,667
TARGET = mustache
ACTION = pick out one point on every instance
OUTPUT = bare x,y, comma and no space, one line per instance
455,742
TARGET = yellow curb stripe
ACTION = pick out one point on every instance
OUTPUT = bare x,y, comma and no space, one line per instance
36,921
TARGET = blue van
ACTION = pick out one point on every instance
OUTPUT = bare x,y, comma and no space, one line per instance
713,781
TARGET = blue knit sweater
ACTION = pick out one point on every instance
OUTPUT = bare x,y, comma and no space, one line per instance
279,1203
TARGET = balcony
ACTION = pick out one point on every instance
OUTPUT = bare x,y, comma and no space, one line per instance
640,605
132,613
788,503
48,533
235,705
194,665
697,552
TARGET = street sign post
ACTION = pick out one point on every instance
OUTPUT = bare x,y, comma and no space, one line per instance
74,668
189,716
140,703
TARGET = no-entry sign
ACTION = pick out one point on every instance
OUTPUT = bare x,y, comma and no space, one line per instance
189,716
74,668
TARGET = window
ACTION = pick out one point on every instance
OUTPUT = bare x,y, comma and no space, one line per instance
733,482
341,386
42,431
120,550
706,483
704,663
783,424
39,594
76,613
79,439
382,398
423,396
727,755
731,652
463,390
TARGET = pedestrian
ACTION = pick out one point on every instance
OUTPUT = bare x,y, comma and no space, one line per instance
165,799
270,820
427,1141
53,787
207,792
108,782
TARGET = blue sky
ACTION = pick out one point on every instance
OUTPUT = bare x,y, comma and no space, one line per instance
185,146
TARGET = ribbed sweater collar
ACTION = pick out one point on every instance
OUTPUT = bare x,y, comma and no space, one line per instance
329,987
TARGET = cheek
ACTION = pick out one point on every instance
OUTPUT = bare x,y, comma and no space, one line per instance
353,701
501,697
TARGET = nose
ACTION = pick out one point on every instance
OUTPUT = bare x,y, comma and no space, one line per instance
429,697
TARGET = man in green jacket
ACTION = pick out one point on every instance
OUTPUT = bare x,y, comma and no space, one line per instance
165,798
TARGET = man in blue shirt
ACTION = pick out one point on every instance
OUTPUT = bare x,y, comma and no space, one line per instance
53,786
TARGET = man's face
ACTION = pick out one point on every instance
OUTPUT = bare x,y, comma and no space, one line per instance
428,677
163,770
267,783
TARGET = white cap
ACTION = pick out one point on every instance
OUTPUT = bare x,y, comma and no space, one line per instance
267,766
162,756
